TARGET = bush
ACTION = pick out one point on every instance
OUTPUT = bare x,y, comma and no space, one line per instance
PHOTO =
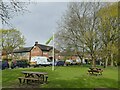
6,59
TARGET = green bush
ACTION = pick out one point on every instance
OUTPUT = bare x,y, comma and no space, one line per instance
8,59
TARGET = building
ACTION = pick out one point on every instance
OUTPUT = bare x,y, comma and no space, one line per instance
36,50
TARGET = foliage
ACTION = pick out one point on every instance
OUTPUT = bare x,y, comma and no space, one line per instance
109,30
11,39
8,59
78,28
84,28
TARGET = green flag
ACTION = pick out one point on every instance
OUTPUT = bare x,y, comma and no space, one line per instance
50,39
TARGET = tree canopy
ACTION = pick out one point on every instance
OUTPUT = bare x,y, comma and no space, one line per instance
11,39
109,30
86,26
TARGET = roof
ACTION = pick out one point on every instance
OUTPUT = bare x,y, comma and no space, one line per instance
44,47
28,49
25,49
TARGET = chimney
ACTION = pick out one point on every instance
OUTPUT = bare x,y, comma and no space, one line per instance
36,43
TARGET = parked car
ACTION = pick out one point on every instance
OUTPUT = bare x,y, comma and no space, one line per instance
78,61
40,61
68,62
19,63
74,62
60,63
5,64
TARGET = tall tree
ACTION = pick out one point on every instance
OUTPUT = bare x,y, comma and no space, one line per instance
85,28
78,28
11,39
109,31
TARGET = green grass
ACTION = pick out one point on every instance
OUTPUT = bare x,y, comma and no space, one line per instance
0,79
65,77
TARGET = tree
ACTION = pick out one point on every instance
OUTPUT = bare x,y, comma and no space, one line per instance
109,31
85,28
11,39
10,8
78,28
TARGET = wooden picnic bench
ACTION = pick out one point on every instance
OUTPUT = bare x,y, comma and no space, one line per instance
27,79
95,71
40,77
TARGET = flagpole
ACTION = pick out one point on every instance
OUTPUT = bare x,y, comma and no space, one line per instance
53,54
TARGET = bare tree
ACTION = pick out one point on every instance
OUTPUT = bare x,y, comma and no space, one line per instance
79,28
11,8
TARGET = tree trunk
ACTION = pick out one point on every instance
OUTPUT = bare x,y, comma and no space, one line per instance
81,58
12,56
6,55
82,61
111,59
106,62
93,62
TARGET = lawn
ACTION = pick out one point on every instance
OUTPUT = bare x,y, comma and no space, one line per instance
65,77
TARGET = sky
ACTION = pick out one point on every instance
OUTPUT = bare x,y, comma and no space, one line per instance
40,22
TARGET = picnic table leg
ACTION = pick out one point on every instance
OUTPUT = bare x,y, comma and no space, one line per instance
27,81
39,77
19,80
43,78
46,77
23,80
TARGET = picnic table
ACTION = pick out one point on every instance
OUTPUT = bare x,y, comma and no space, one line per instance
33,76
95,71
